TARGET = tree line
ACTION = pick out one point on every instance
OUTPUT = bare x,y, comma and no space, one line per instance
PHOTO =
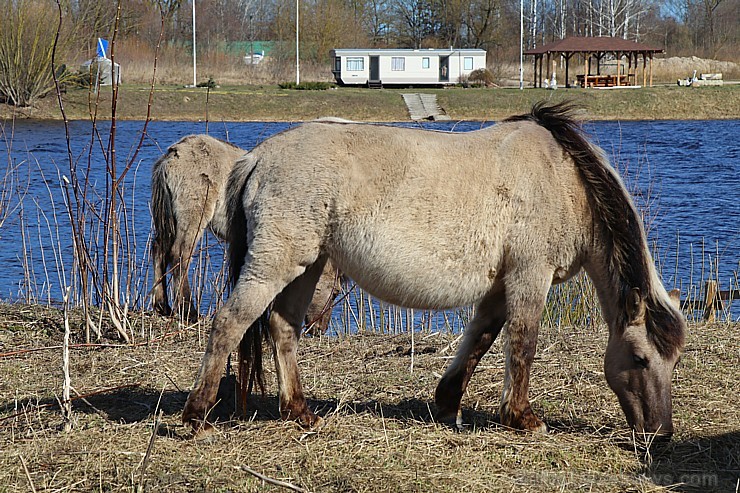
706,28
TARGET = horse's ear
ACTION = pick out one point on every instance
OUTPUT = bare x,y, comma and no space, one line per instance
635,306
675,295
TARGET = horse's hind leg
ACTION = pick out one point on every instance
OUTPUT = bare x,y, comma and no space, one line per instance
159,290
249,299
286,319
320,308
479,335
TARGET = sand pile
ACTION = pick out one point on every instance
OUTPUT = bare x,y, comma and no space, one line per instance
684,66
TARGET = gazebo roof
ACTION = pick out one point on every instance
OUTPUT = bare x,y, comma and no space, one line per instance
594,44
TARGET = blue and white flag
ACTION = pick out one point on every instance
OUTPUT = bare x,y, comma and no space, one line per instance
102,48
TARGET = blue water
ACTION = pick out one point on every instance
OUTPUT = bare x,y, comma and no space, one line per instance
685,176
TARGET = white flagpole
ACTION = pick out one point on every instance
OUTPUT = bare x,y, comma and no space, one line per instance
521,45
195,81
297,59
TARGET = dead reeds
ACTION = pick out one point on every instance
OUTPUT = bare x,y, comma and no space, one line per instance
380,433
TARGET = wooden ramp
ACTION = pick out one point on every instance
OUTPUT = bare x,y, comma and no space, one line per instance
424,107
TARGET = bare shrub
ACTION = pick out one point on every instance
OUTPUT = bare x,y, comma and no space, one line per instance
27,32
481,77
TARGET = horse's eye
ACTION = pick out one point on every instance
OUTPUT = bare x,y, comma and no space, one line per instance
641,362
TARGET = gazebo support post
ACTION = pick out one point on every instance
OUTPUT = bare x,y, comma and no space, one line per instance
541,57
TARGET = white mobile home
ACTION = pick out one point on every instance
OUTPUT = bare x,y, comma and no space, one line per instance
376,67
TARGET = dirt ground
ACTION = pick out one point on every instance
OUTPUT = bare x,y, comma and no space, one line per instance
376,396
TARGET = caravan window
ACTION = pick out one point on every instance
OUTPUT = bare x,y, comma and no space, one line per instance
338,64
468,63
425,62
355,64
398,63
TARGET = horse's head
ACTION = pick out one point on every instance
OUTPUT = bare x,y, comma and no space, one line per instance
640,360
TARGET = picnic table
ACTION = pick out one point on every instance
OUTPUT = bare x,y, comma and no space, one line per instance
603,80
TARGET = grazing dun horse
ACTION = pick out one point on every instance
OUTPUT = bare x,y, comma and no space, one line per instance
188,195
434,220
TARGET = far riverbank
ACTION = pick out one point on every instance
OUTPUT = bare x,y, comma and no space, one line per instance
270,103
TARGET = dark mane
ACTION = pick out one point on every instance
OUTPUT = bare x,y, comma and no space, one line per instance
629,263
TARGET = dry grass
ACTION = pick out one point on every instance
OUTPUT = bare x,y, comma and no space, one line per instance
379,434
175,67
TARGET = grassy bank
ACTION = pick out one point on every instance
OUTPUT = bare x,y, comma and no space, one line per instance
376,397
257,103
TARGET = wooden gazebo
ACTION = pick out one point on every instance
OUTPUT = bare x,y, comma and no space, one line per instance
597,48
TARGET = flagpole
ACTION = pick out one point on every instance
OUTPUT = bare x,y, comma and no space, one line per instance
521,45
195,82
297,59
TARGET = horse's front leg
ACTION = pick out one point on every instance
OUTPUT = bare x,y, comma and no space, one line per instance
479,335
526,297
286,319
182,255
184,305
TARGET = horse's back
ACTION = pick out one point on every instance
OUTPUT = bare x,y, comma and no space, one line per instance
197,168
203,156
421,219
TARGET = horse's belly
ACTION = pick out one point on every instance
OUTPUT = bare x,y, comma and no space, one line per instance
413,273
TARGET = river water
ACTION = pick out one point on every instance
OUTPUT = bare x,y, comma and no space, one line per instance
685,176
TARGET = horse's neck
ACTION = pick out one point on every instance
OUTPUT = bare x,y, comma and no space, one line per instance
610,282
607,288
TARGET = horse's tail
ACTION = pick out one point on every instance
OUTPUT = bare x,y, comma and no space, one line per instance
250,347
236,217
250,359
163,211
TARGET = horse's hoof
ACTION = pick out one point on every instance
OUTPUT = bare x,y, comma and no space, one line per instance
163,309
539,427
310,421
194,415
317,424
525,421
306,419
205,433
451,419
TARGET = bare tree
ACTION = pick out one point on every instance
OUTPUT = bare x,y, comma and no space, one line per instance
481,25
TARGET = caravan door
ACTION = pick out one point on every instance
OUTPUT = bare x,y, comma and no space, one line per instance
444,68
374,68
